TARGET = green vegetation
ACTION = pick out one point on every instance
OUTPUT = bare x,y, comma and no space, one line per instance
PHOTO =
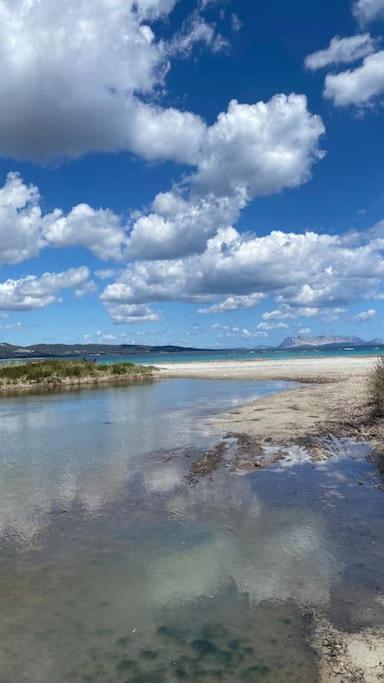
376,387
62,372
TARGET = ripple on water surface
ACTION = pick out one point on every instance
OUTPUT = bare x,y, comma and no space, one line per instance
115,568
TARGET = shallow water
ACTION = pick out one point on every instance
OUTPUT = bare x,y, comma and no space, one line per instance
114,568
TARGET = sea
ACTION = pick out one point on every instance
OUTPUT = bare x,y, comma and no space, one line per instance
245,355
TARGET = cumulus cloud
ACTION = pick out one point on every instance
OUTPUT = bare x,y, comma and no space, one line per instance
236,332
366,315
272,326
32,292
100,231
73,74
304,272
357,86
286,312
25,230
20,221
130,313
78,78
177,226
341,51
250,151
367,10
260,149
233,303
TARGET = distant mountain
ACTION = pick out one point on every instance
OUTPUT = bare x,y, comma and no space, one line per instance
301,341
8,351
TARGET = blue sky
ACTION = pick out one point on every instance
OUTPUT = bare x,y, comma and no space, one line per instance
196,172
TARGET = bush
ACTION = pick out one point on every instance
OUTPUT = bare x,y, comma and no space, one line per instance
376,387
57,371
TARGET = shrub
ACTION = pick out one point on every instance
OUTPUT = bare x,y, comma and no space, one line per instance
376,387
57,371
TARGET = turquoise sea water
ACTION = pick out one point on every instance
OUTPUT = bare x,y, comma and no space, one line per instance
228,354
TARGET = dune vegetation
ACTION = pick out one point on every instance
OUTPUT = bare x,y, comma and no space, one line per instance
376,387
55,373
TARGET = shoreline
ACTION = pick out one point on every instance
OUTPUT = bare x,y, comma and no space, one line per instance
330,393
330,401
331,398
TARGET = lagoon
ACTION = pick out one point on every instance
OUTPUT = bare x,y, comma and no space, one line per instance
114,567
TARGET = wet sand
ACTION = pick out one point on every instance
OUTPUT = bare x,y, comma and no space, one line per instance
331,397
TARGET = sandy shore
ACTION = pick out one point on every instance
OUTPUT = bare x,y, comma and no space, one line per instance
299,369
332,393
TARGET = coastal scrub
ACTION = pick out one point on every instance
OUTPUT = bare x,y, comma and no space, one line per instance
56,373
376,387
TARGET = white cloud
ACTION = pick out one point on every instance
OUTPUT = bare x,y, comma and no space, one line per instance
233,303
24,230
341,51
357,86
260,149
367,10
89,287
366,315
107,273
98,230
105,337
236,332
272,326
158,134
72,75
33,292
196,30
20,221
305,272
131,313
251,150
178,227
286,312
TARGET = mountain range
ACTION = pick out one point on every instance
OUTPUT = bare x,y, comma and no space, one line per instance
83,350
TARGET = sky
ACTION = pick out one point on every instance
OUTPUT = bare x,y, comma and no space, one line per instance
207,173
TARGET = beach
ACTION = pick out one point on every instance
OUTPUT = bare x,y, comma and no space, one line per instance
331,396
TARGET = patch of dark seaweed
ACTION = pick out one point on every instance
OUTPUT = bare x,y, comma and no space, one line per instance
208,463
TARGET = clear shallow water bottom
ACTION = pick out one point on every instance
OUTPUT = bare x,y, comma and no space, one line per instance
114,568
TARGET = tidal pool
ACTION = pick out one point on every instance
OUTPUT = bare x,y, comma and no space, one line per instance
114,568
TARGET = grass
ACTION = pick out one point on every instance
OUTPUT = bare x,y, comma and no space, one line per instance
56,372
376,388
